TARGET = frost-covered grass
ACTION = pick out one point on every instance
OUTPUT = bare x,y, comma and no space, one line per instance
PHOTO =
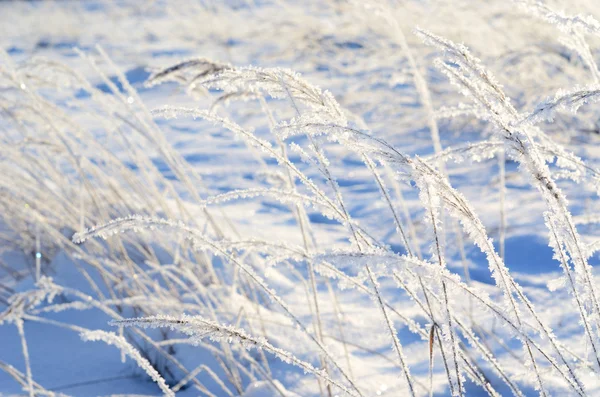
318,199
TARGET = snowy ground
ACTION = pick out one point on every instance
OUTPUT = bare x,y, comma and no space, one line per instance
364,56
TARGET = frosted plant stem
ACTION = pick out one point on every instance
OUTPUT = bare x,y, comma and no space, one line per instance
120,342
431,337
446,303
393,334
400,196
338,319
582,313
38,252
502,191
19,324
429,311
383,190
313,288
81,202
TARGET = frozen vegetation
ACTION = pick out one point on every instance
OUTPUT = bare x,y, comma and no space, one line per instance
314,198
